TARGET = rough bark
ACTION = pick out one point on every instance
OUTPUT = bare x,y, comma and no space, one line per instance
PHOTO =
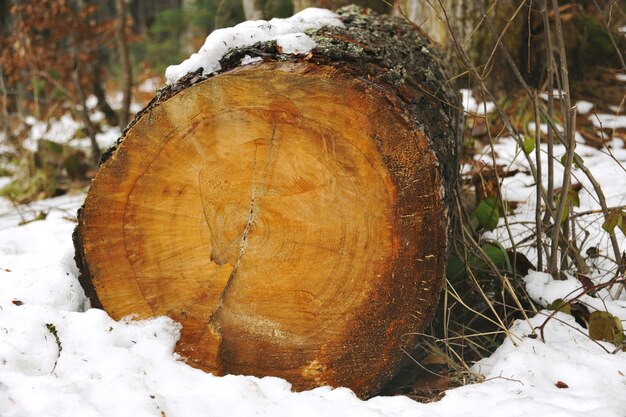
291,214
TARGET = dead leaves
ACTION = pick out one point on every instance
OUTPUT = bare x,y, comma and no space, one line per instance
561,384
606,327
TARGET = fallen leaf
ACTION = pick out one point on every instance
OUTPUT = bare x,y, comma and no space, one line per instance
605,326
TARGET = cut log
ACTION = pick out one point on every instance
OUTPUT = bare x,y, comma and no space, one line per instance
291,214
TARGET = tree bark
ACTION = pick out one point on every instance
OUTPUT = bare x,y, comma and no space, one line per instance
84,112
127,71
99,93
291,214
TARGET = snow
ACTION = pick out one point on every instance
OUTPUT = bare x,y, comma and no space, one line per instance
470,105
150,85
288,34
534,367
128,368
105,139
608,121
584,107
247,60
60,130
543,128
621,77
556,94
91,102
65,131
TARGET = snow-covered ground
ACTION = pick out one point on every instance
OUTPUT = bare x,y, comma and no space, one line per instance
128,368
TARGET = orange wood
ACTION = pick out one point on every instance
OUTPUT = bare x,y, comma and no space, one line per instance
288,215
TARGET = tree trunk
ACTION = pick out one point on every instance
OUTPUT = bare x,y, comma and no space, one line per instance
464,22
291,213
299,5
84,112
252,10
462,18
99,93
127,71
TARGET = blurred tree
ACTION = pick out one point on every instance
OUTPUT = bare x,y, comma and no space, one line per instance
478,26
144,12
380,6
127,72
177,32
48,53
252,9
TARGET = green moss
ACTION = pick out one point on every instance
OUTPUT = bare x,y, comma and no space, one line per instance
27,188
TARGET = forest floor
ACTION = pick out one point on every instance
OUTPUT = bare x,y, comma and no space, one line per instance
59,357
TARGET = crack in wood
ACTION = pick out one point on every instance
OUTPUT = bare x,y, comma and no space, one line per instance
213,324
254,208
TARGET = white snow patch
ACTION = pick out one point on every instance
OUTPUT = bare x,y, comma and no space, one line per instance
57,130
295,43
4,181
584,107
97,116
532,367
608,121
543,128
556,94
545,290
621,77
135,107
288,33
472,106
105,139
91,102
247,60
150,85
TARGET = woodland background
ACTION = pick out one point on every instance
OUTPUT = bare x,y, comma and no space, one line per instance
55,54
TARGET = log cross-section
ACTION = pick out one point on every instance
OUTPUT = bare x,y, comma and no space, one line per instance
290,214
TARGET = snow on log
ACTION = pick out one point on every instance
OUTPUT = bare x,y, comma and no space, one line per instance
288,209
